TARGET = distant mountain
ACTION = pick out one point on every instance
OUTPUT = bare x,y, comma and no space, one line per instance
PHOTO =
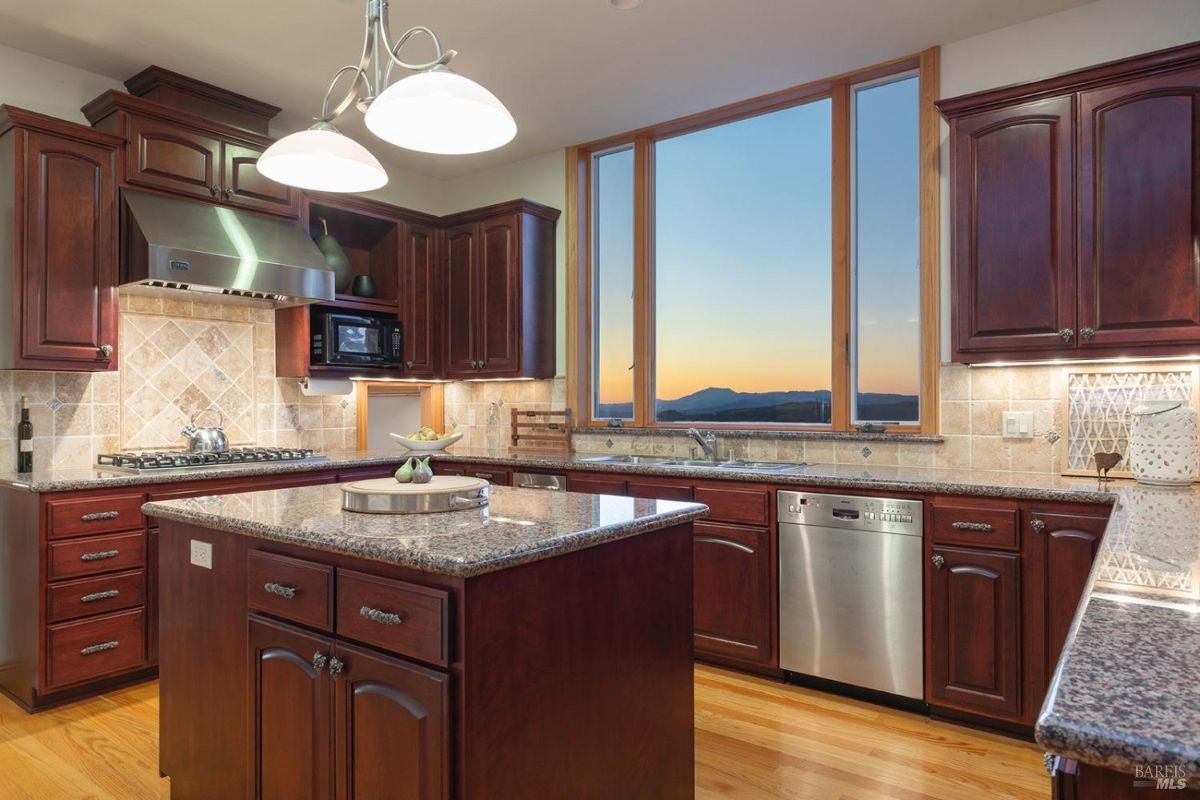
720,404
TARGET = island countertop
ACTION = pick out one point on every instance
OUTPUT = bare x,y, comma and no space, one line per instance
1125,694
517,526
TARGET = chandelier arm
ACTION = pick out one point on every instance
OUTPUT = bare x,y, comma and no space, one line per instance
364,60
393,50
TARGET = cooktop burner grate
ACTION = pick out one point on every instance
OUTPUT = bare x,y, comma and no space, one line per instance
178,459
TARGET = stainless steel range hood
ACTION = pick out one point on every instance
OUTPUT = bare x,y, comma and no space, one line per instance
169,245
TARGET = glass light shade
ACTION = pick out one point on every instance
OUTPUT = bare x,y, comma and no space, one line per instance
322,159
442,112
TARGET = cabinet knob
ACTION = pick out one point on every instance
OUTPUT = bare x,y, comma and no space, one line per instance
1066,334
938,561
319,661
1086,334
229,193
216,191
336,666
1038,525
106,350
408,364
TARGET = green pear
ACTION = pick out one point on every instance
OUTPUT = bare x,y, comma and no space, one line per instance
405,473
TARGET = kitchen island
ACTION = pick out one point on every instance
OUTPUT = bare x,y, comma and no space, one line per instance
537,647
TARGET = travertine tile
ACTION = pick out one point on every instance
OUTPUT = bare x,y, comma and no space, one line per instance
955,417
986,417
990,383
990,452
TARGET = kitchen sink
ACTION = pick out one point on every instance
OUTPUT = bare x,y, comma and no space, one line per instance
684,463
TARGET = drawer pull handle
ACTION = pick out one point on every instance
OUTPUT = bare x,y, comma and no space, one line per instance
982,527
103,555
286,592
92,649
487,476
99,515
382,617
336,665
96,596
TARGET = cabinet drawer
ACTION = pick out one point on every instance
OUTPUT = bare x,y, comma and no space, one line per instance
975,525
93,647
744,506
100,595
656,490
96,554
94,515
290,588
403,617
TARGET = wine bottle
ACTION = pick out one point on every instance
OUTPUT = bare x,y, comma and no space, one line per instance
25,439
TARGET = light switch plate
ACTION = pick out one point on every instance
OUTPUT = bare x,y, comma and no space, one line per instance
470,416
1017,424
202,554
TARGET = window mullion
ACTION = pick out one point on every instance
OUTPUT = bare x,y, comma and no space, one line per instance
840,387
643,282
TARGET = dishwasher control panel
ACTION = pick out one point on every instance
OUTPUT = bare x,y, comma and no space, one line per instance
884,514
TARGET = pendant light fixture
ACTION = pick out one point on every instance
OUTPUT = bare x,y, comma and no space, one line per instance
434,110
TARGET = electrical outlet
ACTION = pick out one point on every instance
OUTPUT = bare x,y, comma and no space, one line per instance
202,554
1017,424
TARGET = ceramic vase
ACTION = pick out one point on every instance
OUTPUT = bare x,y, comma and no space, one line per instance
422,473
1163,443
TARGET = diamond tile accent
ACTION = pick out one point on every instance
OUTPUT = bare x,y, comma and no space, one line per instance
865,452
54,403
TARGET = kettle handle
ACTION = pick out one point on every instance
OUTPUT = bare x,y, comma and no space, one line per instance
220,416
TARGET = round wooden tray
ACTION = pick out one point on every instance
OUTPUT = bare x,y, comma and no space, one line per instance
443,493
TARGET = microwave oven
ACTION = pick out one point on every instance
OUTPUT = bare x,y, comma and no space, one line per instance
356,340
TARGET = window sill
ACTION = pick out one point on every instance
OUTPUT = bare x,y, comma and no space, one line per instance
758,433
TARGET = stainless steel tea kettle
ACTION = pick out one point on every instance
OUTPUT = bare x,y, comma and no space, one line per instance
206,440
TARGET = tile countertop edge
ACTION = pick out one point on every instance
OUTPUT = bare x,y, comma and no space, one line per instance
457,568
1066,732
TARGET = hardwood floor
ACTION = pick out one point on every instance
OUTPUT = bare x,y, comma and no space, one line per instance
755,740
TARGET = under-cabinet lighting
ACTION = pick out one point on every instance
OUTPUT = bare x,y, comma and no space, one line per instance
367,378
1067,362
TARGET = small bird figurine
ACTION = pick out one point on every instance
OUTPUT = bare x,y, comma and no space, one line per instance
1105,462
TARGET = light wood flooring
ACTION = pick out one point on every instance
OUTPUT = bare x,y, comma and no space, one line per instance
755,740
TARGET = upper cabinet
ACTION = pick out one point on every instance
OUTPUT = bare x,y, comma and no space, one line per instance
499,275
57,199
189,138
1073,213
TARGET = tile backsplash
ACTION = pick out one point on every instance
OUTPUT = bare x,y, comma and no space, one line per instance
176,356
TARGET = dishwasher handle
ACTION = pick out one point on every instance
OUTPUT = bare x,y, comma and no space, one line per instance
845,513
549,483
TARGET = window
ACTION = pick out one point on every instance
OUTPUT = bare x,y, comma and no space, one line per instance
762,265
742,270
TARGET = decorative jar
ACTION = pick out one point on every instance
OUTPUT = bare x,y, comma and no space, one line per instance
1163,443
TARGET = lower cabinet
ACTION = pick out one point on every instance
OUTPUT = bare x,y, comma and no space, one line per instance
334,720
974,631
732,591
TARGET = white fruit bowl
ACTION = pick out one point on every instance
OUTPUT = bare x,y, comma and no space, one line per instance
423,446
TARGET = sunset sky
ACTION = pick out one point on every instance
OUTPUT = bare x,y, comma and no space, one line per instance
743,252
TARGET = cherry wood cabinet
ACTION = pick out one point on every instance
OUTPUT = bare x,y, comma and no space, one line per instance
974,631
420,311
732,591
499,276
172,149
1073,218
58,200
1139,176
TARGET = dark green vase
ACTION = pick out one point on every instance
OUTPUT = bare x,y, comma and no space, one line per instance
335,256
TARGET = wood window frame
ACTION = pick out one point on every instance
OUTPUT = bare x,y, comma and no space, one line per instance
578,220
431,395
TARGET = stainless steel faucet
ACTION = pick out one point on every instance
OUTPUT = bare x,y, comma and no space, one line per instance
707,442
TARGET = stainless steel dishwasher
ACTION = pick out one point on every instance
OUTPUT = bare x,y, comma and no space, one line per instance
540,480
850,599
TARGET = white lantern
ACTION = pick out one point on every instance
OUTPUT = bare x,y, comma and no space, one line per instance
1163,443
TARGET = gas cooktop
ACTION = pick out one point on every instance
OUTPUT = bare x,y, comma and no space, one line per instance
155,461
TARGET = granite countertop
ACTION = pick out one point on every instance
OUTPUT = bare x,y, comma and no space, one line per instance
516,527
1126,693
918,480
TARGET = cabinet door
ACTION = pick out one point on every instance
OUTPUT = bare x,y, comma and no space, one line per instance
69,274
1071,541
1014,229
291,713
461,301
246,187
393,726
419,308
499,288
732,591
1139,172
973,632
173,158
